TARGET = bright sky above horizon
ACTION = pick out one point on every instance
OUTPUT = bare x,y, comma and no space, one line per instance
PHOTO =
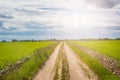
61,19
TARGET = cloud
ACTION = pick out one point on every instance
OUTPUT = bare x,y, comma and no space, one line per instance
10,28
38,26
51,9
1,24
104,3
5,16
116,28
31,32
26,11
26,32
118,13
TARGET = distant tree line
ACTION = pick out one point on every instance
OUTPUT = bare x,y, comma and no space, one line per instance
88,39
3,41
102,39
33,40
117,38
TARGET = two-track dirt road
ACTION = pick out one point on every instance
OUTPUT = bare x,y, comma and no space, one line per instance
77,69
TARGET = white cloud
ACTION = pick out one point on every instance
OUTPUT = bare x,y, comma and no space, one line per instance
104,3
66,16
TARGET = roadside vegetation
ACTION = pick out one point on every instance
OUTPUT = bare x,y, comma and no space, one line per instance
94,64
110,48
38,56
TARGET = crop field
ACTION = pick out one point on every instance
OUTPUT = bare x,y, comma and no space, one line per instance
10,52
108,47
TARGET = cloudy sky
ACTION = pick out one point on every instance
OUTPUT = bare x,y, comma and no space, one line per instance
61,19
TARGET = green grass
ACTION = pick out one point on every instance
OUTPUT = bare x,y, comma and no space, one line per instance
29,69
10,52
108,47
94,65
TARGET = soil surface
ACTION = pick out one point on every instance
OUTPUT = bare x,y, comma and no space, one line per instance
46,72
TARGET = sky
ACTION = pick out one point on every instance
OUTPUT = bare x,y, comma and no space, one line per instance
60,19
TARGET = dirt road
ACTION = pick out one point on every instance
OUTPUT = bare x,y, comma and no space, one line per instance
46,72
64,64
77,69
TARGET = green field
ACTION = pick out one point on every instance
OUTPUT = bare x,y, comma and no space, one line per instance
108,47
10,52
